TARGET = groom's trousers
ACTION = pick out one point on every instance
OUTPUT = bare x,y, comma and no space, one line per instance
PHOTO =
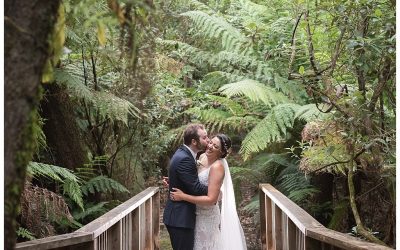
181,238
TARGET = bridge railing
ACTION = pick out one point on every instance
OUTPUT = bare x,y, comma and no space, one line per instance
284,225
135,224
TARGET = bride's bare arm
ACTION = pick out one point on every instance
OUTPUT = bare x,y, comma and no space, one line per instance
215,180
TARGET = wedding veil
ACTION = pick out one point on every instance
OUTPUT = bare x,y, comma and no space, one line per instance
231,230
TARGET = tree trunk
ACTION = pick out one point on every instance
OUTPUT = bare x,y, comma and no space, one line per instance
27,28
62,132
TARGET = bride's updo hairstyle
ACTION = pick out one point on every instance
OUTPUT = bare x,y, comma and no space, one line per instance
226,144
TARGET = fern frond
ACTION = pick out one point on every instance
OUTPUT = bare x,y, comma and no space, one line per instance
255,91
109,105
91,210
201,7
102,184
37,169
294,185
272,128
216,27
247,174
25,233
226,59
309,113
232,106
253,8
293,89
73,191
71,183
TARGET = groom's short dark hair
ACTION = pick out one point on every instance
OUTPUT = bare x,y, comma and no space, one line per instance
191,133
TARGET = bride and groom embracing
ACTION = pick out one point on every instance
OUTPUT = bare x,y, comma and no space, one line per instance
192,215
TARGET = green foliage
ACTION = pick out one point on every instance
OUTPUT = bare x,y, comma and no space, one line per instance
25,233
255,91
102,184
215,27
108,105
272,128
70,182
91,210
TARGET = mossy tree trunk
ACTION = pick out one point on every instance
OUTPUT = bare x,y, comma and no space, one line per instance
27,28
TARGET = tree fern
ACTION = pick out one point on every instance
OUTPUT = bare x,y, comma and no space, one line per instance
108,104
102,184
70,182
255,91
216,27
272,128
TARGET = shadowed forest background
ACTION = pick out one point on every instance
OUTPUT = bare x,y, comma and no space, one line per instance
97,94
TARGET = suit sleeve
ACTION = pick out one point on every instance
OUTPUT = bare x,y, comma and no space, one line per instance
188,175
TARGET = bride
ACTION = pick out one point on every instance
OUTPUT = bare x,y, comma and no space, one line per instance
216,228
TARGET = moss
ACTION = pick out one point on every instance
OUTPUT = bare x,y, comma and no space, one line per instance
22,157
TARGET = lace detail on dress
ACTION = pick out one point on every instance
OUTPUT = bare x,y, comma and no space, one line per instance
207,234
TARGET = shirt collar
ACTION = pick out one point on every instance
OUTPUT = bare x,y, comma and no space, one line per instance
191,151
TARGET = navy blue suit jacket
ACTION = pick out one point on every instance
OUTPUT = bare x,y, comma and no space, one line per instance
183,175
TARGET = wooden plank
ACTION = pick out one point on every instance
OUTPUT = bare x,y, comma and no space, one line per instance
114,237
277,218
156,221
269,223
136,229
263,221
341,240
312,244
57,241
291,234
148,225
142,227
300,238
106,221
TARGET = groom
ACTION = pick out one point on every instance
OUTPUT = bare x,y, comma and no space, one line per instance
179,216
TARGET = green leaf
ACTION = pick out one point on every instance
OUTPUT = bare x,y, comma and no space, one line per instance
301,70
101,33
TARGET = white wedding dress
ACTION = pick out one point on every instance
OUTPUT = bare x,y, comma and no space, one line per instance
219,229
207,234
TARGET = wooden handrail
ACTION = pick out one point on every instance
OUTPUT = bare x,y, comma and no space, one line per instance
135,224
284,225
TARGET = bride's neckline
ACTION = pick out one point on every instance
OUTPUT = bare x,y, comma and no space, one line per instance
204,168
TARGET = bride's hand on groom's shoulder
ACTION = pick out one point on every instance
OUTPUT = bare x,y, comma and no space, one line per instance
176,194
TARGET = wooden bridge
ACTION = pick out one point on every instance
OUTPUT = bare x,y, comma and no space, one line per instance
135,224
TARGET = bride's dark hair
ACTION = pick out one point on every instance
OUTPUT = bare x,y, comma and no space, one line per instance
226,144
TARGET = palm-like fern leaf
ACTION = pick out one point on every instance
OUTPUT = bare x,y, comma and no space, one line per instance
272,128
102,184
309,112
255,91
90,210
216,27
71,183
108,104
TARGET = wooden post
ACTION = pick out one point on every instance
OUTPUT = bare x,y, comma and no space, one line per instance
263,221
277,227
136,228
142,227
311,244
291,234
148,225
114,239
156,221
269,223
